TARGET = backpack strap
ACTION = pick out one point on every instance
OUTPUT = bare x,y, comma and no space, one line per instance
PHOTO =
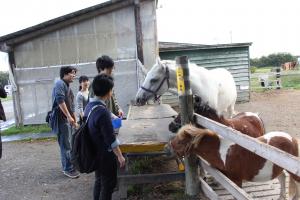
91,111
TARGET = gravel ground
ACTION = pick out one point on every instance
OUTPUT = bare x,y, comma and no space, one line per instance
31,170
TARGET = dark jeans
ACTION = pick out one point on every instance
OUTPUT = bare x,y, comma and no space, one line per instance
64,141
106,177
0,146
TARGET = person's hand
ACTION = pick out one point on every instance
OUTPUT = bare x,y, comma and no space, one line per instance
121,160
81,115
77,125
71,120
120,113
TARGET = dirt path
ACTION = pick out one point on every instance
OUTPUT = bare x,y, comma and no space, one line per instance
31,170
279,109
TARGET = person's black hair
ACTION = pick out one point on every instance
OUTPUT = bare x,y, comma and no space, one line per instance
102,84
65,70
82,79
104,62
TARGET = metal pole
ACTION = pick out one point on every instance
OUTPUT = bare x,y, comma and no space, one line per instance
192,186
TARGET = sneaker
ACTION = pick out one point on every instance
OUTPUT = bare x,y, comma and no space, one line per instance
71,174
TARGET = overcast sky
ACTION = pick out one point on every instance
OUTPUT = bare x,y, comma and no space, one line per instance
272,26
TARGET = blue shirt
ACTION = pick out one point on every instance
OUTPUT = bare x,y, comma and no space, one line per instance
61,93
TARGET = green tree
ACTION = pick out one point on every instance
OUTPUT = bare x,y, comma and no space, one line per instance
272,60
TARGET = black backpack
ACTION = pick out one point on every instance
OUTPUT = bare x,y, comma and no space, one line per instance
84,155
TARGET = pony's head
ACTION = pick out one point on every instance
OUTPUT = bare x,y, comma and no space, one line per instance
187,139
155,84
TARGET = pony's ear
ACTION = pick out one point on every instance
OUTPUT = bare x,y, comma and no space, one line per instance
190,130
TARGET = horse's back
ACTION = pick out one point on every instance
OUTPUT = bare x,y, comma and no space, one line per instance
226,83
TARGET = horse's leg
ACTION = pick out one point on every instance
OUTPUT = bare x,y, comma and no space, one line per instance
297,196
294,189
281,179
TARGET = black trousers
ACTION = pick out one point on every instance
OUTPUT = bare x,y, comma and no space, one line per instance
0,146
106,177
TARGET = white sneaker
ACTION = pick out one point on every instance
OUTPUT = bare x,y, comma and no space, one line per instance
71,174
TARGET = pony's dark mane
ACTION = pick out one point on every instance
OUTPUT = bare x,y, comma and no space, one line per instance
202,108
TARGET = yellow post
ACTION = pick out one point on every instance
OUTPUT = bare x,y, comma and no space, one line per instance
192,185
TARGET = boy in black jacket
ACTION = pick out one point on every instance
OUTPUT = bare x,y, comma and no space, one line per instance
105,141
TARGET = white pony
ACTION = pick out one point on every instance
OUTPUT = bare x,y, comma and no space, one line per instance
215,87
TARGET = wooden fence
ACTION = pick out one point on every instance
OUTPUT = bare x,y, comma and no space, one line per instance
277,156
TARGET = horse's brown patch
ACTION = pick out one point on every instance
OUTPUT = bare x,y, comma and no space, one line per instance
247,124
208,149
288,146
242,164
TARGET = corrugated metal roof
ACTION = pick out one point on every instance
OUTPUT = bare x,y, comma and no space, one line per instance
173,46
92,11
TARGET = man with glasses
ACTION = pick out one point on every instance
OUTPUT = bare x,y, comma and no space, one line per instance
64,113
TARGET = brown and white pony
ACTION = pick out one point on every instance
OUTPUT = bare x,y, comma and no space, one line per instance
289,65
236,162
246,122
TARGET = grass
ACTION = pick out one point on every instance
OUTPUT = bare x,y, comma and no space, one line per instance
26,129
139,166
263,69
146,165
8,98
287,82
46,139
291,81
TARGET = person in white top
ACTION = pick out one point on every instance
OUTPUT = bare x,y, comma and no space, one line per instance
82,96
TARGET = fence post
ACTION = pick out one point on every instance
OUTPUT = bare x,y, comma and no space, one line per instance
278,80
192,185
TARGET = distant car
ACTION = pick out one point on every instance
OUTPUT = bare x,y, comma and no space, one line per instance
8,89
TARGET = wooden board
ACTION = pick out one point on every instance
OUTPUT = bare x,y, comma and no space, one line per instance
146,129
262,190
151,112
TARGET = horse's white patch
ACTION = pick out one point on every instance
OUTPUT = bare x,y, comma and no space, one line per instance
264,174
251,114
224,146
270,135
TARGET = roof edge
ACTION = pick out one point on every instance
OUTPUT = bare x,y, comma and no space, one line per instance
189,46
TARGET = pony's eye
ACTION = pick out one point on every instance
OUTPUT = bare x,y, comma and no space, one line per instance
154,80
